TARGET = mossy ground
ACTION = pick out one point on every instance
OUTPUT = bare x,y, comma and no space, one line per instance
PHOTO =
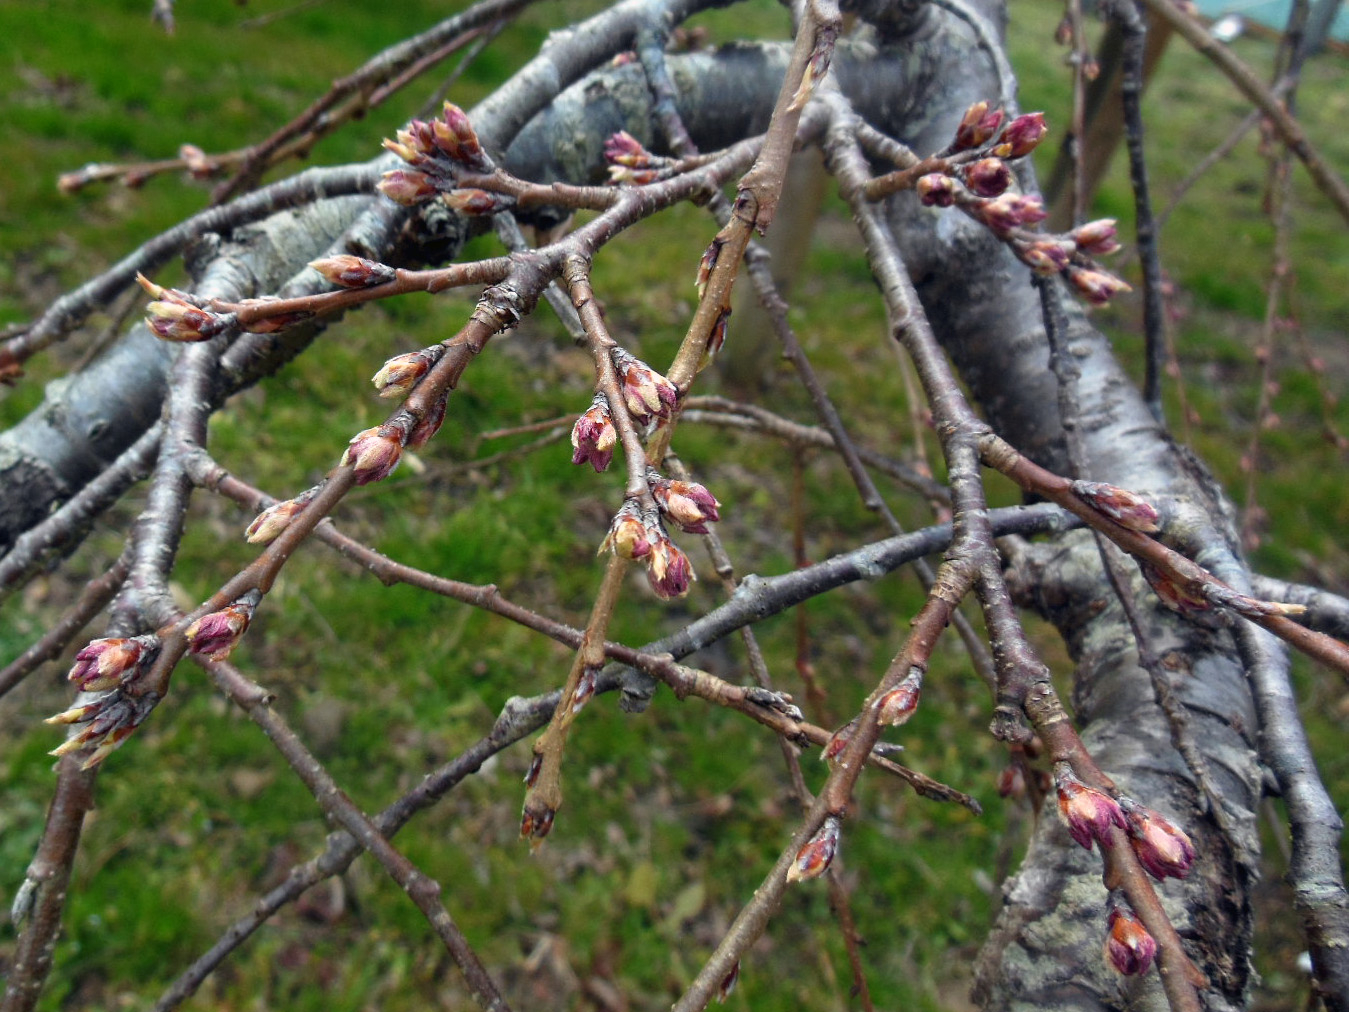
673,816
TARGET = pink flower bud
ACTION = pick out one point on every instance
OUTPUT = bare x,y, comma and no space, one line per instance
215,635
1161,848
179,321
109,720
1097,287
988,177
352,271
1096,238
899,704
108,663
1022,136
477,202
668,570
1128,946
814,858
1122,506
405,151
1045,256
1179,597
593,436
400,374
621,174
936,190
624,149
727,984
469,147
690,505
407,188
269,524
1087,812
373,454
195,161
646,393
976,127
1002,214
425,429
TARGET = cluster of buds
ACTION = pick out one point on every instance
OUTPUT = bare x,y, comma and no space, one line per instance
630,162
215,635
641,537
1162,848
593,436
1087,812
268,525
1045,256
112,663
1009,211
400,374
177,316
347,271
688,504
980,126
374,453
109,720
646,393
1128,509
1128,946
438,153
899,704
817,854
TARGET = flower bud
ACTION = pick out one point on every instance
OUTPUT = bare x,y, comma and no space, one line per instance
898,705
646,393
474,202
182,322
352,271
624,149
194,159
400,374
629,536
593,436
536,823
470,150
988,177
936,190
976,127
1022,136
1161,848
838,741
406,188
424,431
373,454
1126,508
621,174
1096,238
217,634
1097,287
1012,782
1045,256
814,858
715,339
1002,214
690,505
108,663
668,570
269,524
1177,596
109,720
1087,812
1128,946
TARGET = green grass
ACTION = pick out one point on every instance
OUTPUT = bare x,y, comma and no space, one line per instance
671,817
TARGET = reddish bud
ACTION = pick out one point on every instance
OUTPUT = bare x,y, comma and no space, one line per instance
1161,848
646,393
269,524
1022,136
352,271
708,261
1122,506
1097,287
406,188
976,127
838,741
1045,256
469,148
585,687
1128,946
1002,214
629,535
620,174
1087,812
179,321
1063,34
988,177
109,720
813,859
936,190
690,505
536,823
1012,782
715,339
477,202
424,431
1096,238
108,663
535,765
400,374
668,570
624,149
215,636
593,436
373,454
195,161
1173,594
728,983
899,704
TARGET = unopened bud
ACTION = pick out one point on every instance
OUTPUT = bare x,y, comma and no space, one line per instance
535,766
668,570
400,374
593,436
1012,782
814,858
269,524
1128,946
988,177
536,823
1045,256
1097,287
178,321
1022,136
899,704
708,261
470,149
624,149
474,202
195,161
936,190
646,393
1161,848
727,984
585,687
1096,238
405,187
976,127
1087,812
1128,509
373,454
690,505
353,271
629,536
215,635
430,423
837,742
1011,210
108,663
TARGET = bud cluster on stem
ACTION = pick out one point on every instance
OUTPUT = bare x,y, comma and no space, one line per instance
178,316
640,536
438,153
110,667
630,162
